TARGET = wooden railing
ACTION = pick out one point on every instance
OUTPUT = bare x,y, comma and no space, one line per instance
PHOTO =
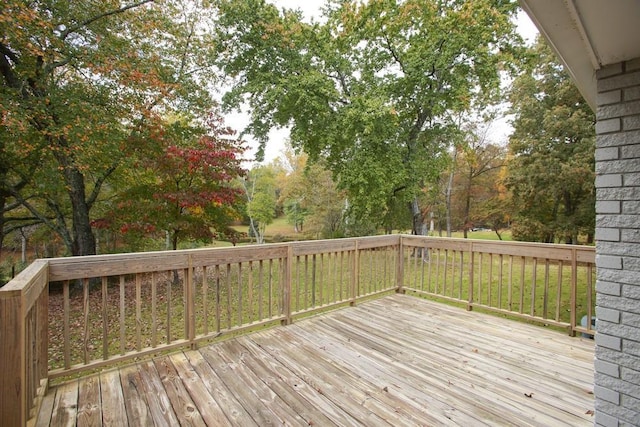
548,284
67,315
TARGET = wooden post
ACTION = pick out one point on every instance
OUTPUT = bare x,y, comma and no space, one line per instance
574,286
400,268
472,266
355,274
13,381
286,291
190,312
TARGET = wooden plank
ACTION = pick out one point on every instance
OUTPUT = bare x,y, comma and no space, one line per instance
114,411
265,406
156,395
272,379
133,392
330,412
65,406
210,410
46,410
89,402
224,397
184,408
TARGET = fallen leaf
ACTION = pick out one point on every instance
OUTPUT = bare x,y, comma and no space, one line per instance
590,412
529,395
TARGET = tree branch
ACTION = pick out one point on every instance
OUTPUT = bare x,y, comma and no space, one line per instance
93,19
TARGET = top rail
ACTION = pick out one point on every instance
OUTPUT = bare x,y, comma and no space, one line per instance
65,315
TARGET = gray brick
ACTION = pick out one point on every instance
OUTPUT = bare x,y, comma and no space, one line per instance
618,303
612,248
629,94
607,234
608,71
630,235
631,207
630,122
608,126
631,347
621,109
631,263
631,179
612,97
631,151
606,394
609,288
617,193
614,343
623,277
619,82
607,368
605,420
626,332
617,221
607,153
609,261
607,315
610,180
631,319
629,375
608,206
632,291
632,403
618,139
617,166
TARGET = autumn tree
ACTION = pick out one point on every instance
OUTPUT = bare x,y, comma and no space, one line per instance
479,163
551,167
84,85
370,89
186,189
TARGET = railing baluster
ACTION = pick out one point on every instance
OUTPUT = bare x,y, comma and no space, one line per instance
66,309
138,312
154,309
205,299
122,316
85,321
105,319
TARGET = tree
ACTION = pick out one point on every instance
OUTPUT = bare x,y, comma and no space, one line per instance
371,89
84,85
551,169
478,166
260,192
186,190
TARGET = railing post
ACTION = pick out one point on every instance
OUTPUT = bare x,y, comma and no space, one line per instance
574,290
13,372
400,267
471,268
286,291
190,302
355,274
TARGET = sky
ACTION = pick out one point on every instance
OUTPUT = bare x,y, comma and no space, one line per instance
498,132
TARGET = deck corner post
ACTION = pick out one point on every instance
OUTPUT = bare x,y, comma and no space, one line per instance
13,371
574,290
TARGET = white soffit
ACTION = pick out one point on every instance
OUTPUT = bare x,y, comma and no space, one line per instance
588,34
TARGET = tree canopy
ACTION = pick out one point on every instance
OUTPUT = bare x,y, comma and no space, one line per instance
371,88
551,170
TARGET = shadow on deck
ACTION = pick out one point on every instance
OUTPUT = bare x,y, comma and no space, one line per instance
398,360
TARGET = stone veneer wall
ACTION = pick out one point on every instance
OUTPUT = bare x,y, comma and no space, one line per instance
617,364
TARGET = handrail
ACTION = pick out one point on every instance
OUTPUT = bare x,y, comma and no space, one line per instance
100,310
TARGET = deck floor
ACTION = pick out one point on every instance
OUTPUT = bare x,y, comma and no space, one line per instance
398,360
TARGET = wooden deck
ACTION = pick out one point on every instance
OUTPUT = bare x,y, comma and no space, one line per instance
398,360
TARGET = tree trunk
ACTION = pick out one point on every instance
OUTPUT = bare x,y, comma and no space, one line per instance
84,242
418,227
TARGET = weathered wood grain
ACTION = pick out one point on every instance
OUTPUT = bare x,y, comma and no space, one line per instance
397,360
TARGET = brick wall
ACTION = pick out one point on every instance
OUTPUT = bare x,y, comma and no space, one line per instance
617,364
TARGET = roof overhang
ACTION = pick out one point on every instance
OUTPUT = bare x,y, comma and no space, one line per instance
588,34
